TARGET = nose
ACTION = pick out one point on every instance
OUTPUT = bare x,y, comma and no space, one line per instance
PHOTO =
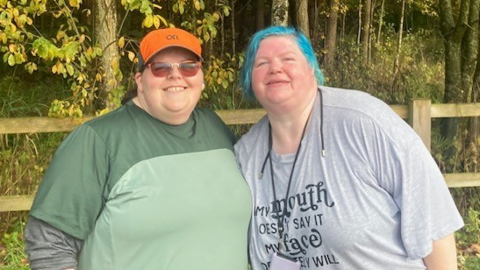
174,72
275,67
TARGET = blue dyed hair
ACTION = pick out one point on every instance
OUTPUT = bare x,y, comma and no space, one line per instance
252,49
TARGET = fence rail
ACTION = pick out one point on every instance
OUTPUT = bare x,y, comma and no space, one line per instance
418,113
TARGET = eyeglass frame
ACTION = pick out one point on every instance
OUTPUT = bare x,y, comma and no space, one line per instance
198,65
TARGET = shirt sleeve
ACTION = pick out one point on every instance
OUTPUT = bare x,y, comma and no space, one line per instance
410,174
71,194
49,248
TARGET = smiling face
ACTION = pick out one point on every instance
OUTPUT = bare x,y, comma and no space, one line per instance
282,80
170,99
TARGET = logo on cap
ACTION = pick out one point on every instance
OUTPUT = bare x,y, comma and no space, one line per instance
172,37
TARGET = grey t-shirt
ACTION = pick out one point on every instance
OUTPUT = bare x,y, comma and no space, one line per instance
377,199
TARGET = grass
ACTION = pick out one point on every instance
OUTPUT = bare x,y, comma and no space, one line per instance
12,253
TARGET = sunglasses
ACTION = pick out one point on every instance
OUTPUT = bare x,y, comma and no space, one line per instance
162,69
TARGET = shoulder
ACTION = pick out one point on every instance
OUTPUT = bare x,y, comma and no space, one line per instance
116,119
354,102
353,106
359,113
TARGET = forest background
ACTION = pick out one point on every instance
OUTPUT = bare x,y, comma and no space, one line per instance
74,58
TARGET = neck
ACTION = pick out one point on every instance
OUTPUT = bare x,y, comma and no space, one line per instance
287,131
174,120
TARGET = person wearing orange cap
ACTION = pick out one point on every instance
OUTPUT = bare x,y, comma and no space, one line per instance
151,185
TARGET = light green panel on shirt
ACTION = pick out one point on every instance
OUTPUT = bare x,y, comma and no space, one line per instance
174,212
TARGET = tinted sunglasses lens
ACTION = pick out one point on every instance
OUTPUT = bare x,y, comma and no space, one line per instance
160,69
189,69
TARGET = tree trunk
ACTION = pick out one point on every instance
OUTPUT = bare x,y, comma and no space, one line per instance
301,16
260,14
380,22
360,23
314,23
232,16
469,50
331,36
280,12
370,32
342,32
453,36
246,29
470,62
366,22
222,32
106,25
396,65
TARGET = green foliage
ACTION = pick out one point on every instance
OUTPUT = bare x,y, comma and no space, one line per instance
427,7
69,52
421,71
67,49
24,98
149,9
24,157
204,22
12,254
220,80
469,233
206,28
471,263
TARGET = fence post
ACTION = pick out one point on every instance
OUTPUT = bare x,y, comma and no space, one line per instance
419,118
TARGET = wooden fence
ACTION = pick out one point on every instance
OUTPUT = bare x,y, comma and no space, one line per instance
419,114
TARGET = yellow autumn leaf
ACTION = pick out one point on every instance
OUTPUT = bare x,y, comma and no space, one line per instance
74,3
156,22
70,69
114,64
163,20
121,42
13,28
60,68
11,60
131,55
148,21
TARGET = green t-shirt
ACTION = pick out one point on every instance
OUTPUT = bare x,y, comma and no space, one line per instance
147,195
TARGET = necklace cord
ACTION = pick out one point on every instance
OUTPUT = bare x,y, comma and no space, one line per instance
321,121
260,176
269,158
270,145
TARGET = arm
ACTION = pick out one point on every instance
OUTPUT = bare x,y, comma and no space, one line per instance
49,248
444,254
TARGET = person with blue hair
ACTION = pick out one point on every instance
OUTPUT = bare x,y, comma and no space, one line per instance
338,179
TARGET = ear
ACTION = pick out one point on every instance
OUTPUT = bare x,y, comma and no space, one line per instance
138,81
203,86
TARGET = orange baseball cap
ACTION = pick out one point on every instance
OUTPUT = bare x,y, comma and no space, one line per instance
160,39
